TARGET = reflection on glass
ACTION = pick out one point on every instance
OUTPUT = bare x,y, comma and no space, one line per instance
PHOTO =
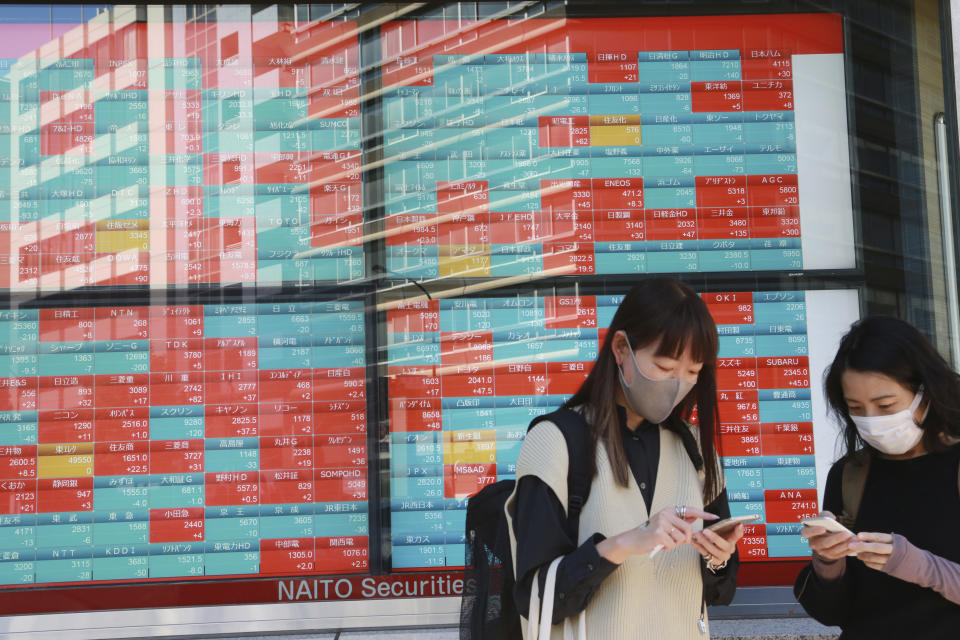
512,176
150,149
614,146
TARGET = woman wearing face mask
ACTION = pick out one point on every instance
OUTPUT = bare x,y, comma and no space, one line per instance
898,400
653,472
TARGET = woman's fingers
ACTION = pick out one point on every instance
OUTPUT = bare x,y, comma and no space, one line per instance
702,550
841,547
672,528
868,558
692,514
707,548
734,537
812,532
664,529
672,531
684,527
719,541
879,548
678,535
831,546
720,547
869,536
874,560
666,540
827,540
872,548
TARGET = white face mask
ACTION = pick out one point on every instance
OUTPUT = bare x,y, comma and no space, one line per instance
894,434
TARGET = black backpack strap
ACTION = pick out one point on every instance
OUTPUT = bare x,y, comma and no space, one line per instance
577,435
690,444
853,481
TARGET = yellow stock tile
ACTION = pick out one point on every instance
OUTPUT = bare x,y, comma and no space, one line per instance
116,241
615,136
472,260
68,466
469,452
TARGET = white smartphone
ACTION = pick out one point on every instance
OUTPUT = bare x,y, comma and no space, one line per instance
830,525
722,526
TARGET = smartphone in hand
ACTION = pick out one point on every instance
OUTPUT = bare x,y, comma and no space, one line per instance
831,525
725,525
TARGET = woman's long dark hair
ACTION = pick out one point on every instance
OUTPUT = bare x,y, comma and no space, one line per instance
671,312
890,346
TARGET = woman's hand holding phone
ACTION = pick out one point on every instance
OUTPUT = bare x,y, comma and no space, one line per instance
873,549
829,546
717,547
665,530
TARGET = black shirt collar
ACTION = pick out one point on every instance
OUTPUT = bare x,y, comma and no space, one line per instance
646,425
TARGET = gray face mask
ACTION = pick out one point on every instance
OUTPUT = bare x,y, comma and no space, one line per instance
651,399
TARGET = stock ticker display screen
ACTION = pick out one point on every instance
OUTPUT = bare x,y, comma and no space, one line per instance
593,147
610,147
182,441
467,377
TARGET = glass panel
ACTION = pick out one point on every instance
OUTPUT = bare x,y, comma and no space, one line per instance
283,285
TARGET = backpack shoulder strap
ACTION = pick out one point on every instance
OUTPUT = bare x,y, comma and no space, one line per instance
853,480
574,428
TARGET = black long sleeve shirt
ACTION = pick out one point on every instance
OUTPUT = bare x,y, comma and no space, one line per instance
540,528
918,499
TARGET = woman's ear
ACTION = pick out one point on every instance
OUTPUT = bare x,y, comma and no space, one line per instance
618,345
948,439
920,415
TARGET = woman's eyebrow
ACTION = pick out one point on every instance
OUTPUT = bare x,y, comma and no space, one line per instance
875,399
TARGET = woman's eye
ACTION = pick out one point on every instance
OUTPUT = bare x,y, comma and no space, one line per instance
886,407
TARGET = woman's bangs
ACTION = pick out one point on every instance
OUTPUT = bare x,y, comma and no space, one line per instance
687,327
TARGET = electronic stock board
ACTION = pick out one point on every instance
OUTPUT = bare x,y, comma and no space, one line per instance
602,147
468,375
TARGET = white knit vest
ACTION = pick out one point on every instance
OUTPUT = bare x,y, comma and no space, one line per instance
642,599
